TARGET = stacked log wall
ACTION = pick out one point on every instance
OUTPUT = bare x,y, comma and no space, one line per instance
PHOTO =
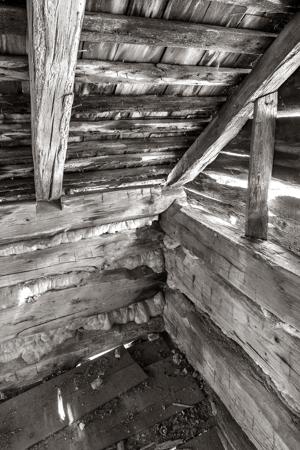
233,308
77,280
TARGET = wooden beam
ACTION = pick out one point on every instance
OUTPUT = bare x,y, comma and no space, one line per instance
260,166
229,309
20,221
271,6
53,32
29,427
244,265
15,68
113,28
67,349
127,128
237,382
91,71
273,69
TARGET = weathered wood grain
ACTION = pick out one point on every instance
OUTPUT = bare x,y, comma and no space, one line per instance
53,35
262,336
50,301
260,166
228,205
280,60
121,128
19,221
262,271
257,409
274,6
68,349
23,425
146,404
92,71
93,107
103,27
14,68
137,127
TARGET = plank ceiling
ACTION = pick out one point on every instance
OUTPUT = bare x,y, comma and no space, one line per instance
118,142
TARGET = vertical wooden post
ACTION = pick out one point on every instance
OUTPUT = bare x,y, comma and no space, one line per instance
54,28
260,165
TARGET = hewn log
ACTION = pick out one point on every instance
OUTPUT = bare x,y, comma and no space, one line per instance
82,250
95,155
263,337
20,221
53,35
272,6
15,68
136,127
91,71
277,64
63,348
260,166
102,27
50,302
225,367
90,181
125,128
227,204
262,271
97,107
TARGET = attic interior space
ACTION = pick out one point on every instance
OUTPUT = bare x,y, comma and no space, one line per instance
150,224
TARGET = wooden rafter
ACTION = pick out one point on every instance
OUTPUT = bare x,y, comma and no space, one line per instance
260,166
53,34
102,27
278,63
274,6
13,68
113,28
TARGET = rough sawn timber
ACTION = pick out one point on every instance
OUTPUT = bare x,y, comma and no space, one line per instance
260,166
262,271
277,64
23,425
19,221
15,68
53,34
244,392
113,28
262,336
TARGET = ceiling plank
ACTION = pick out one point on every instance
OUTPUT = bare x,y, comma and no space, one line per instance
271,6
53,37
15,68
91,71
260,166
113,28
273,69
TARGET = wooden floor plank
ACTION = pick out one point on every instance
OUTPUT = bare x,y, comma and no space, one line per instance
41,411
207,441
165,394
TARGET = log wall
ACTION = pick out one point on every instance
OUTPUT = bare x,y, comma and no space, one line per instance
75,284
234,311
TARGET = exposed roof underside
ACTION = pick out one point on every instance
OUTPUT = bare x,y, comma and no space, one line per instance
137,107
